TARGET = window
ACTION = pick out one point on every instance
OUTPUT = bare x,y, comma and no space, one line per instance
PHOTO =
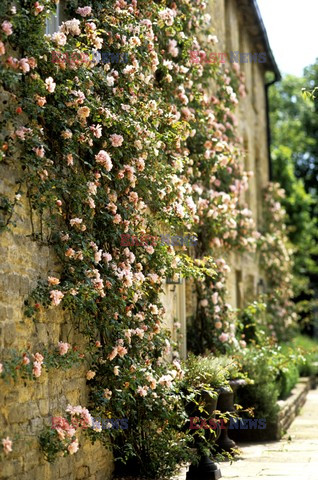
55,20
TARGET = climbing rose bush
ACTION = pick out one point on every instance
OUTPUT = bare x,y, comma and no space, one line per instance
136,147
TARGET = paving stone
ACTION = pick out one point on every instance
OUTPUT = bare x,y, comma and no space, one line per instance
292,458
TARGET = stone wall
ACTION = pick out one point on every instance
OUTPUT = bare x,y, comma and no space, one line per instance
229,24
25,407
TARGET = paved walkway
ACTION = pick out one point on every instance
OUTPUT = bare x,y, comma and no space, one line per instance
293,458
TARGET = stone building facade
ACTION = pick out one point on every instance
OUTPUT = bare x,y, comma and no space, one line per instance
27,406
240,30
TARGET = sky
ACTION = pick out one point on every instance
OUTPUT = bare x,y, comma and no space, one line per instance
292,30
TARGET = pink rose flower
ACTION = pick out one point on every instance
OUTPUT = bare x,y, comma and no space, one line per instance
90,374
53,280
7,27
50,85
38,8
24,65
56,296
107,393
1,368
116,140
113,354
73,447
7,445
37,369
2,48
41,101
104,159
38,357
63,348
121,351
215,297
25,359
84,11
143,391
39,151
224,337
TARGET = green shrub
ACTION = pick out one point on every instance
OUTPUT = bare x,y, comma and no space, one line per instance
262,394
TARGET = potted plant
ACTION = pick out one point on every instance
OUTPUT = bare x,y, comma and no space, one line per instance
202,381
225,404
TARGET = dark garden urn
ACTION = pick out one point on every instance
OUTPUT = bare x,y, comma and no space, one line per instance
206,469
226,404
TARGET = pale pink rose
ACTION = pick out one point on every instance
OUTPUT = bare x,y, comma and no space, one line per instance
70,252
143,391
83,112
67,134
224,337
37,369
63,348
98,256
107,393
7,27
50,85
73,447
104,159
153,384
56,296
149,249
38,357
41,101
1,368
107,257
76,221
113,354
84,11
153,309
69,159
215,298
121,351
90,374
204,303
97,130
60,39
2,48
116,140
7,445
243,343
38,8
218,324
13,62
117,218
116,370
71,27
24,65
172,48
53,280
39,151
25,359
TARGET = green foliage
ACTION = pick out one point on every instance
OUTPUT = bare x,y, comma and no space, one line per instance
295,166
252,323
209,371
307,349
